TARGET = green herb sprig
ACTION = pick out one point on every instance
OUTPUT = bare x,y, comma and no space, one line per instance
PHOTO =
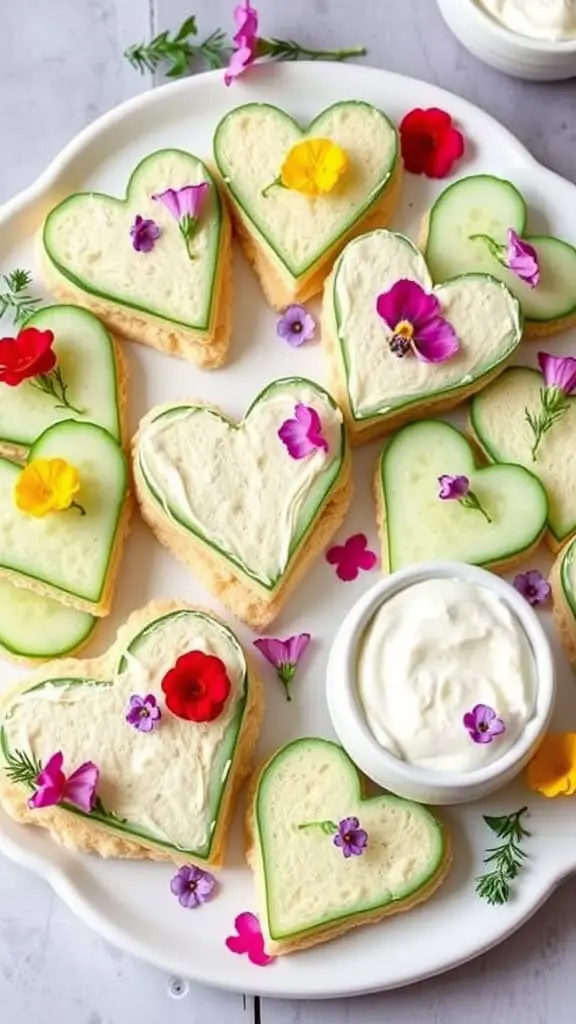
553,405
507,859
179,52
15,296
52,384
22,768
289,49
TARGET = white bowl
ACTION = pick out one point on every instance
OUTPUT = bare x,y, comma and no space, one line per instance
347,714
520,56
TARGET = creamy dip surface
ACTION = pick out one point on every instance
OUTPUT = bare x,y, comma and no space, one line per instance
553,20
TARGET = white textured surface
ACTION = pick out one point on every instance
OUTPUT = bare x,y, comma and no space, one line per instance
62,69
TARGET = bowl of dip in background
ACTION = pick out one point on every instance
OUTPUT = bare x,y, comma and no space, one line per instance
532,39
418,652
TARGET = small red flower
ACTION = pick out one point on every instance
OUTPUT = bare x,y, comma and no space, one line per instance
197,687
430,143
27,355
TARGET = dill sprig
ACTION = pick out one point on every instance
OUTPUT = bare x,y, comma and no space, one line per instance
553,405
178,51
494,886
53,384
22,768
15,296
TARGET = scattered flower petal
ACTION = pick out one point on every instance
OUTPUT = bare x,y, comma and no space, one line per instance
303,434
350,838
533,586
429,142
249,939
284,655
413,316
192,886
351,557
296,325
143,712
552,770
483,724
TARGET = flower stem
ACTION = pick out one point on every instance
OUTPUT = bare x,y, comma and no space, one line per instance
471,501
81,509
53,384
288,49
498,251
328,827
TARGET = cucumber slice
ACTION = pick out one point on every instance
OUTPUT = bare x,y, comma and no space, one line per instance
69,552
86,359
421,527
498,420
87,238
485,205
568,575
32,626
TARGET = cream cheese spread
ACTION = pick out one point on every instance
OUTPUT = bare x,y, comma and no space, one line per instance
554,20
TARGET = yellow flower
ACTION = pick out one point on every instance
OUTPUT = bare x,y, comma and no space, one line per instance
552,770
46,485
313,167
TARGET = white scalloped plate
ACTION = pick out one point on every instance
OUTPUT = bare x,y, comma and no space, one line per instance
130,903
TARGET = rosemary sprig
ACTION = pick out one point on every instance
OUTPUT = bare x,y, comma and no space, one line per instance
53,384
178,52
289,49
23,768
506,859
553,405
15,296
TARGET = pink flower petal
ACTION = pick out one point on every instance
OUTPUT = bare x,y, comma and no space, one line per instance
294,436
351,557
249,940
52,772
558,371
80,788
406,300
246,18
296,646
45,796
275,651
436,341
239,61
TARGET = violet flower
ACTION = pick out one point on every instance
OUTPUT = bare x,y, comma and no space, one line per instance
185,204
245,41
559,374
54,787
303,434
350,838
483,724
517,255
192,886
143,712
533,586
296,326
457,488
284,655
413,316
352,557
144,234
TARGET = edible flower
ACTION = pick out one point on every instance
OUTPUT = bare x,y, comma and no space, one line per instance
303,435
245,41
284,655
192,886
144,234
54,787
185,204
249,939
559,374
533,586
457,488
483,724
312,167
518,256
197,687
552,770
351,557
350,838
27,355
429,142
47,485
143,712
413,316
296,325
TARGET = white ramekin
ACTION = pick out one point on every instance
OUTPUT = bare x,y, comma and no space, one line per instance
348,719
520,56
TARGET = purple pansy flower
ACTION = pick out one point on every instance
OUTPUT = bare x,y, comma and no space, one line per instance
185,204
559,374
483,723
296,326
144,233
533,586
413,316
284,655
522,259
350,838
143,712
453,487
303,435
192,886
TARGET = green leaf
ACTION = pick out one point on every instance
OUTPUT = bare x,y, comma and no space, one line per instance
187,28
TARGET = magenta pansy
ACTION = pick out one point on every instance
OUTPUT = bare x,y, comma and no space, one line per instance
413,316
54,787
352,557
249,940
302,435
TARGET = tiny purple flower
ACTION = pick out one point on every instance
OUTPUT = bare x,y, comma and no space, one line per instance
522,259
533,586
350,838
483,724
558,371
143,712
453,487
284,655
185,204
144,234
192,886
303,435
296,326
413,316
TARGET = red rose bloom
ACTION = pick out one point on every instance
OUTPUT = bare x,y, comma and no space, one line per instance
197,687
27,355
430,143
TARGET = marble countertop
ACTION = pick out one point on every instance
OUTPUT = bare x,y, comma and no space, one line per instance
62,69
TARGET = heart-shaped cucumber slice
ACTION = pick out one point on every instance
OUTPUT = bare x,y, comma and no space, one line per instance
35,628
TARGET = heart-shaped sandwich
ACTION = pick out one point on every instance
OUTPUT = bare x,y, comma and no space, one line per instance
563,583
325,858
382,323
62,365
163,726
247,506
154,266
435,504
298,195
478,225
506,420
64,516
